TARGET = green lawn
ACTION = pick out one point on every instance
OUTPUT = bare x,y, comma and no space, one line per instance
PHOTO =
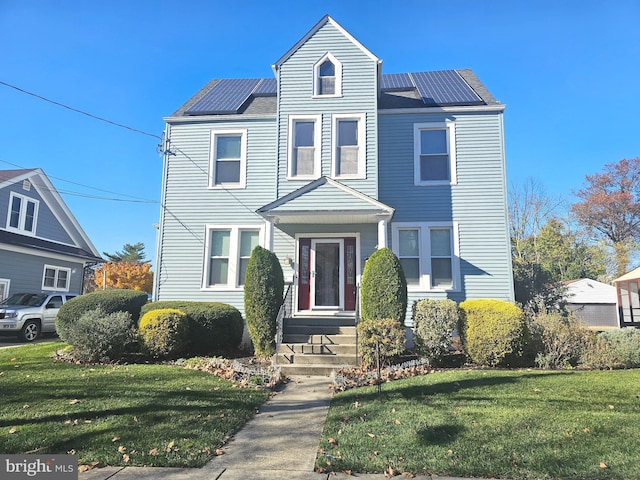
116,414
503,424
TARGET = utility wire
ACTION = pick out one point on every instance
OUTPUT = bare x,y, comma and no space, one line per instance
79,111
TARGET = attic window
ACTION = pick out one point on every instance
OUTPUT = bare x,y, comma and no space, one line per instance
327,74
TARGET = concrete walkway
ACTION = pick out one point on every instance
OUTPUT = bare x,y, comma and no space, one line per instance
280,442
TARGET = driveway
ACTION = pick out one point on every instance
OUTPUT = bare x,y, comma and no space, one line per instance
13,341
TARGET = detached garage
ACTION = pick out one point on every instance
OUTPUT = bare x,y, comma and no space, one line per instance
593,302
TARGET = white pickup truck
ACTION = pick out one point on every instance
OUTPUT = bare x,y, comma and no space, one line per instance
27,315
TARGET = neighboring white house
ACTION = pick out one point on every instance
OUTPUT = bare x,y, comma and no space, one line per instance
593,302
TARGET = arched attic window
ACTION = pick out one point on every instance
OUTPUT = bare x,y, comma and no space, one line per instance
327,75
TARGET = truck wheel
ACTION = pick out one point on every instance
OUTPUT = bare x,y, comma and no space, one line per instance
30,331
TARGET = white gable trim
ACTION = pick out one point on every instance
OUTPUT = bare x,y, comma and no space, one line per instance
326,19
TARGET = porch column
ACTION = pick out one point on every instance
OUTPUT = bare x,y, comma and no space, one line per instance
382,233
268,234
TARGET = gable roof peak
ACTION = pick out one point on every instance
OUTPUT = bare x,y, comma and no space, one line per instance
323,21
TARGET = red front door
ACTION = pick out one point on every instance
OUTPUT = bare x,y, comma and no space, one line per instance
327,274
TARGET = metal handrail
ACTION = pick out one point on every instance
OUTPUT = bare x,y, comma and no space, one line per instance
286,307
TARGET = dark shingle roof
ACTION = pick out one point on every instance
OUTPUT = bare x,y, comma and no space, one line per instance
398,90
11,238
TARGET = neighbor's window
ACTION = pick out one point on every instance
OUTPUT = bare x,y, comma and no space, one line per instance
327,74
427,253
23,212
304,147
56,278
228,159
228,253
349,146
434,150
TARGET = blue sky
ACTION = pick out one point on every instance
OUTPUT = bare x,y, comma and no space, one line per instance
568,71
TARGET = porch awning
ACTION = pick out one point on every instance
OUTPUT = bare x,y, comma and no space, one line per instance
326,201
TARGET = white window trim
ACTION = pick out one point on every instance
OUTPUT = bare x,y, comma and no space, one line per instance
450,128
316,77
362,145
317,143
425,253
7,285
57,269
243,159
23,209
234,254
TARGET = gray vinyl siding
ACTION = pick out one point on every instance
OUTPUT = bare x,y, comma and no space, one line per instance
47,227
26,271
359,95
477,202
189,205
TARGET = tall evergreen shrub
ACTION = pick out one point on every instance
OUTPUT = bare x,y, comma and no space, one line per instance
263,291
384,288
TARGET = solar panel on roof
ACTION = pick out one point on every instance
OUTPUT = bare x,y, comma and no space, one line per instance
444,87
267,87
226,96
397,81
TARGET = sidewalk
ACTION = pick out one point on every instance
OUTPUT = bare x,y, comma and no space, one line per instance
280,442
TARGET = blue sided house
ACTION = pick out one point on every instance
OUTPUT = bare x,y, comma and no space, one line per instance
43,248
323,164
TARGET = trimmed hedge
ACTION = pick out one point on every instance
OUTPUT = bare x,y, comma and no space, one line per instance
493,332
164,333
384,287
212,325
110,301
434,322
263,291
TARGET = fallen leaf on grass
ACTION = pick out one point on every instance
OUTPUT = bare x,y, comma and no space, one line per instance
611,407
153,451
603,465
371,435
13,430
122,449
586,430
91,466
74,401
537,390
115,439
219,451
398,422
125,458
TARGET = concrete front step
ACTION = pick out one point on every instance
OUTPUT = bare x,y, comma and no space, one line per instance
318,348
285,358
313,370
319,330
320,321
319,339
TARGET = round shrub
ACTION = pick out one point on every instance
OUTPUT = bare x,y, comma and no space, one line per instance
559,341
493,332
164,333
384,287
117,300
213,326
434,322
385,336
263,291
99,336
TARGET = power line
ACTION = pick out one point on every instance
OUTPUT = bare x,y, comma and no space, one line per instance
80,111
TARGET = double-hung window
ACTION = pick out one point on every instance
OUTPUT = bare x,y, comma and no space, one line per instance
327,77
228,159
227,255
428,255
434,153
23,214
56,278
349,146
304,147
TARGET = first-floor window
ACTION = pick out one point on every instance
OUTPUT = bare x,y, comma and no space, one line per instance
228,253
4,288
56,278
427,253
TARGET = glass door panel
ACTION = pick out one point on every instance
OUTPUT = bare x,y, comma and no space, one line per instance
327,274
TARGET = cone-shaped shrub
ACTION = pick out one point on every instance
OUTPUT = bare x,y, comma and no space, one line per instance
263,290
384,288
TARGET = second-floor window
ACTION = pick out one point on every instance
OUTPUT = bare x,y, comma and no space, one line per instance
304,147
228,159
435,156
23,214
349,151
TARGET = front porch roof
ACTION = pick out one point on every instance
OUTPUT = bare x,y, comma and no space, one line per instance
326,201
